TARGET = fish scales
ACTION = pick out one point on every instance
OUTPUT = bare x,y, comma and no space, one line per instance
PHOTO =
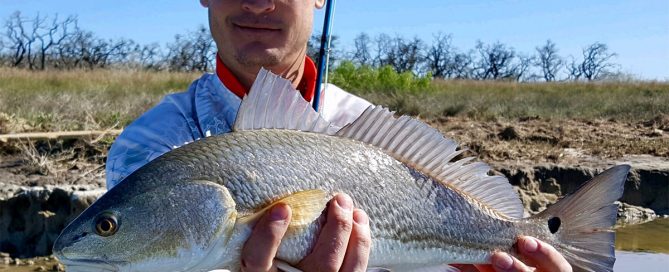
404,205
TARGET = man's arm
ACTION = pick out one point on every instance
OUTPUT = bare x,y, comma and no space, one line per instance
166,126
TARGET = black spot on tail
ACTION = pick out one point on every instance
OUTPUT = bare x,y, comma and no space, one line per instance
554,224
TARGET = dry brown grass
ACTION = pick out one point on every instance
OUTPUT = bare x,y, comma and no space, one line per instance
82,100
493,100
103,99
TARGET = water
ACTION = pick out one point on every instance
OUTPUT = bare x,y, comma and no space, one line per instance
648,237
643,247
641,261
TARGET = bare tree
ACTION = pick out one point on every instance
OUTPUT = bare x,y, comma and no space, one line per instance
439,55
383,51
31,37
192,52
205,49
548,61
461,66
401,54
409,55
54,35
596,61
3,45
522,66
33,41
180,54
17,41
495,61
361,53
100,53
71,51
43,41
149,56
573,69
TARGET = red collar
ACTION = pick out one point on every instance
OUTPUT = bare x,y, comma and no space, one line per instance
306,86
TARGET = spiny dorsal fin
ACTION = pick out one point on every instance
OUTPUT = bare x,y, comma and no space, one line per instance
425,149
272,102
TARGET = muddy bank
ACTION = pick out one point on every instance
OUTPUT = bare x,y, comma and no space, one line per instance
647,185
31,220
47,263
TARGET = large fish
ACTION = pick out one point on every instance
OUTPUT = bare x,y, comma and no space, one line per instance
193,208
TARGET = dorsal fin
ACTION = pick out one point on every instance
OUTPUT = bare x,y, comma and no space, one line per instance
272,102
425,149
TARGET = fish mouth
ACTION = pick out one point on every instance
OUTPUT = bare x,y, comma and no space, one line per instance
88,265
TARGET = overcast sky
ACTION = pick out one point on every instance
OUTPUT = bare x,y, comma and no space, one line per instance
638,31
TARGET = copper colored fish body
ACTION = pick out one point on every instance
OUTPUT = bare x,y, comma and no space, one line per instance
192,208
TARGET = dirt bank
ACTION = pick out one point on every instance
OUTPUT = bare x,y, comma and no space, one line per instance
647,184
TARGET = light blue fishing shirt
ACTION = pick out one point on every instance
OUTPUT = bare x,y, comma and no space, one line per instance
206,108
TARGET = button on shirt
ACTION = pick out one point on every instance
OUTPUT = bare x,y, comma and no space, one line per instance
207,108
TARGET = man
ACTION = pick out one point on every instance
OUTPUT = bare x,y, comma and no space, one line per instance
250,34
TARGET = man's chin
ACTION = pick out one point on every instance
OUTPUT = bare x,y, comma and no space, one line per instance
258,57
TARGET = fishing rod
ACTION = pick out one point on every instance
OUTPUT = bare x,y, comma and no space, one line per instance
324,53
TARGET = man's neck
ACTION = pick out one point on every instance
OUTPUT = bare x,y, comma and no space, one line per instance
303,78
247,75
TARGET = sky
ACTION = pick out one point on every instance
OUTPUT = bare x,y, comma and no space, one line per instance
637,31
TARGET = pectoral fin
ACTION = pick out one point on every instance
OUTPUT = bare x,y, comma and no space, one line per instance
305,205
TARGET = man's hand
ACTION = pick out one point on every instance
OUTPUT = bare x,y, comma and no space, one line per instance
535,253
343,244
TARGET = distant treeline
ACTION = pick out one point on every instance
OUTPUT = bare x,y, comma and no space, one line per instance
52,42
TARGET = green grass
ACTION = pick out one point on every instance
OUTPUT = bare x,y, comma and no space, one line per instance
364,80
78,100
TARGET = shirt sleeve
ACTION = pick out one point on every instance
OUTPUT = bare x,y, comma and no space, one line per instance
166,126
340,107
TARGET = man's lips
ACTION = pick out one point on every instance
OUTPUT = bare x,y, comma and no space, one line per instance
256,28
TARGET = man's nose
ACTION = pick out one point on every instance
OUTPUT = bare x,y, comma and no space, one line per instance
258,6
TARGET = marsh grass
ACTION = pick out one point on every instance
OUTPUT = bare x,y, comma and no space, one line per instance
81,100
491,100
102,99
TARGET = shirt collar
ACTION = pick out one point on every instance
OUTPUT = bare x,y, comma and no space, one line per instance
306,86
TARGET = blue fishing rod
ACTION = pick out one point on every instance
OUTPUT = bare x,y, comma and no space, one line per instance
324,52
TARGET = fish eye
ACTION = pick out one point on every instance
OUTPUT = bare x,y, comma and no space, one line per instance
106,225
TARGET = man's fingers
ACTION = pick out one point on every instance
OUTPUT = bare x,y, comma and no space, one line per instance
328,253
543,255
359,244
473,268
259,251
502,262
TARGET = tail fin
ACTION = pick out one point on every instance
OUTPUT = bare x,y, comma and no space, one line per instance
586,237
